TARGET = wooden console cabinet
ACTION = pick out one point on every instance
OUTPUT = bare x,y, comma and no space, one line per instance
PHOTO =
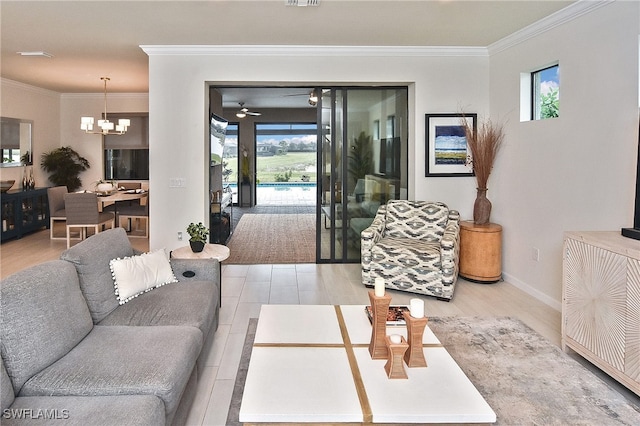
601,302
480,252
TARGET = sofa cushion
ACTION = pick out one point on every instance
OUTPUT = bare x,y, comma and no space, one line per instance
192,303
135,275
407,253
124,360
44,316
416,219
91,258
130,410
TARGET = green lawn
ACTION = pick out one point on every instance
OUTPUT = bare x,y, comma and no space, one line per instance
269,167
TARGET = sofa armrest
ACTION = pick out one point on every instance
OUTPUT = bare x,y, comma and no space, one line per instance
453,218
373,233
202,269
368,238
450,248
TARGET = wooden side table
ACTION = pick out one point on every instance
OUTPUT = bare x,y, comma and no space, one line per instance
480,252
210,251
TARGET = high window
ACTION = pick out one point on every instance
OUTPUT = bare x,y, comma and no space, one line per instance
545,93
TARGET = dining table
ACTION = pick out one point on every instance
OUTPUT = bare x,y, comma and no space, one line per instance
121,195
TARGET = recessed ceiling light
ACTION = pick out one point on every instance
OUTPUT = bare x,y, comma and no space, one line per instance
36,53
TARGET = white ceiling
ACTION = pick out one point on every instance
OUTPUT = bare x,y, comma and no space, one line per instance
91,39
256,98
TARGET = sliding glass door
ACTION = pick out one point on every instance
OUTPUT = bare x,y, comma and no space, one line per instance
362,158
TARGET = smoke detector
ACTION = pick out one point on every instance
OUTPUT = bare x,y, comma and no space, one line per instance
302,2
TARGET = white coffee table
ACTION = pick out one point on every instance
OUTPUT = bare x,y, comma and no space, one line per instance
311,363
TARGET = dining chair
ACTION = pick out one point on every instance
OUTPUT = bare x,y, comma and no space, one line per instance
82,212
138,212
129,186
56,208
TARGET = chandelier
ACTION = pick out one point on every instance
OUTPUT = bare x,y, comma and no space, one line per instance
106,127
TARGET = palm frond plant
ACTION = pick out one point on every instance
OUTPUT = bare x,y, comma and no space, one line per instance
245,167
65,165
360,157
484,144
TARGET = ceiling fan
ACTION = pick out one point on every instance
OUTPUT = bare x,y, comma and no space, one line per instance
313,98
245,111
312,95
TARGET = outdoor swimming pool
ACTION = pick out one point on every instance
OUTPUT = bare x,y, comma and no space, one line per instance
283,193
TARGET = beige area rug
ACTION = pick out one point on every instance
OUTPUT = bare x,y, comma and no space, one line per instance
273,238
523,377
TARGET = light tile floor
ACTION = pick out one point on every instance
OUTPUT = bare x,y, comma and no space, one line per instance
246,287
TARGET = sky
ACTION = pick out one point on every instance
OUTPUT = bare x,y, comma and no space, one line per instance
549,79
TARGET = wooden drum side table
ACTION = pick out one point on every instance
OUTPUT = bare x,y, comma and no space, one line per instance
210,251
480,252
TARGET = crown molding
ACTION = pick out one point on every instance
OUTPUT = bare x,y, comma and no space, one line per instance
569,13
296,50
23,86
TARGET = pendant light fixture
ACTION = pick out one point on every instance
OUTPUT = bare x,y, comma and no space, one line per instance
106,127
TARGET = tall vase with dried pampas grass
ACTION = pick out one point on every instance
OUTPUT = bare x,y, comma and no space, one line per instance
484,146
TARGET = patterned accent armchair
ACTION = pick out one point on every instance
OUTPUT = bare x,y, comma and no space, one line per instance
414,246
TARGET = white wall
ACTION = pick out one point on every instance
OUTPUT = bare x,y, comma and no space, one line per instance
575,172
178,100
43,107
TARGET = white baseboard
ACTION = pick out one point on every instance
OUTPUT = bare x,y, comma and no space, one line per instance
533,292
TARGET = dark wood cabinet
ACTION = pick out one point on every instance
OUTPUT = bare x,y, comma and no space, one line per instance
24,212
221,221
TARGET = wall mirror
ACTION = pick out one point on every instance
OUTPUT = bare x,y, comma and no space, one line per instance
15,142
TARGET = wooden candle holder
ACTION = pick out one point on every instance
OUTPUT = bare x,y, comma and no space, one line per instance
414,357
380,309
395,363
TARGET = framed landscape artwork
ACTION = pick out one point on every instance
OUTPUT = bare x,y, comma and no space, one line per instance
447,152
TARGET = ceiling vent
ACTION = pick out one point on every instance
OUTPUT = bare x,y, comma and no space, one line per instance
302,2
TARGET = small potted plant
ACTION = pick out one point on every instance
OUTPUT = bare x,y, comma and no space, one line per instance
198,233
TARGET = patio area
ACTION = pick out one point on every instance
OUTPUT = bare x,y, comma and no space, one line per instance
284,194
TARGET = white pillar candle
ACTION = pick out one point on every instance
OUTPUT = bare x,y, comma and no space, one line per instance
379,287
416,308
395,338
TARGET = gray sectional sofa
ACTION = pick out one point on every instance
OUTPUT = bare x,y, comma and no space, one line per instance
71,354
